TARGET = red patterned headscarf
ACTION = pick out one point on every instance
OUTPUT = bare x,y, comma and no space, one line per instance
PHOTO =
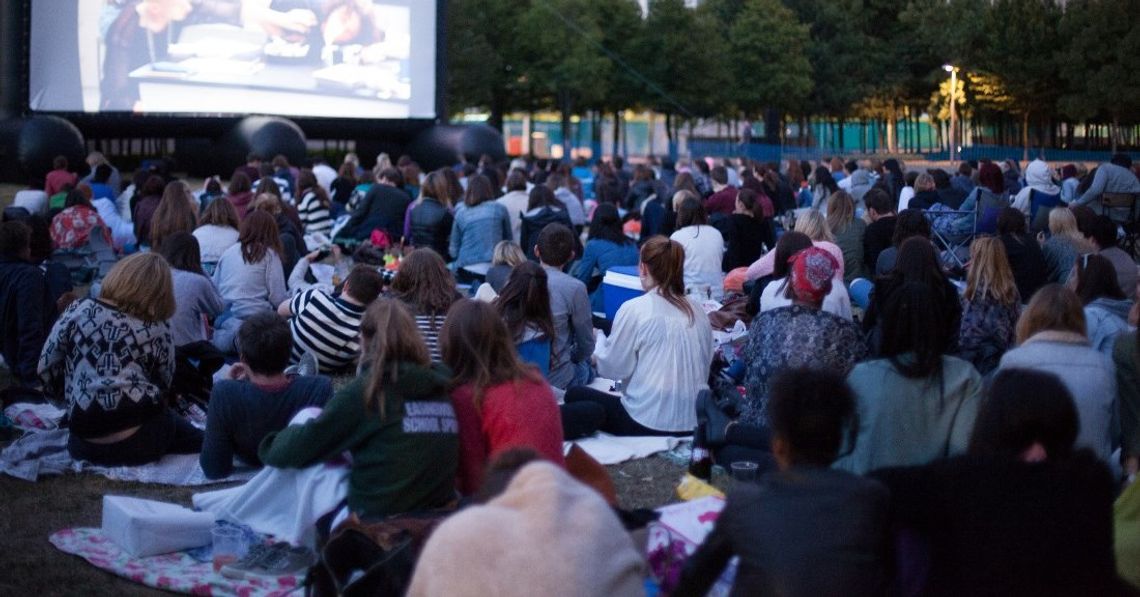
812,271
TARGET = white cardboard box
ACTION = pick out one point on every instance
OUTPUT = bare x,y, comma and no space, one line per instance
147,528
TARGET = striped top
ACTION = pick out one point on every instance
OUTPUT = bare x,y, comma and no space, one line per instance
314,217
430,326
329,327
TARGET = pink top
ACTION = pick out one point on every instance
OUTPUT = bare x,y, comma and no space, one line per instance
765,264
57,179
514,414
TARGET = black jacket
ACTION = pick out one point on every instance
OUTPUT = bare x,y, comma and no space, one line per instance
431,226
26,313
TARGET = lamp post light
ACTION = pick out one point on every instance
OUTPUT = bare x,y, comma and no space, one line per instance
953,70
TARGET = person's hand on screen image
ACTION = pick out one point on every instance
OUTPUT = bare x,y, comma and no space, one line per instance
156,15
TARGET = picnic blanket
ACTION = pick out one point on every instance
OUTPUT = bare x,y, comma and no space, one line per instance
45,453
179,572
612,449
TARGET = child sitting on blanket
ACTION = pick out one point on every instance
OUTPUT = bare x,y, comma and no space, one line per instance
808,529
259,398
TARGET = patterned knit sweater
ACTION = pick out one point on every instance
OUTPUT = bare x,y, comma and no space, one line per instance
111,368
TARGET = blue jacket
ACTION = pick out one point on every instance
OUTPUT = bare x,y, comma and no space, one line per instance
602,255
476,231
26,313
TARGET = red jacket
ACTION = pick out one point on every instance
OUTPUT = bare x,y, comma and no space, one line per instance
520,414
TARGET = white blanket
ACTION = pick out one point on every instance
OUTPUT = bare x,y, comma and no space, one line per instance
285,503
45,453
612,449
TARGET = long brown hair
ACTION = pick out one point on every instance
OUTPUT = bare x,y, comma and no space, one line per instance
388,337
307,181
840,211
479,350
424,282
665,261
525,301
1052,308
220,212
141,286
990,274
436,186
259,233
174,213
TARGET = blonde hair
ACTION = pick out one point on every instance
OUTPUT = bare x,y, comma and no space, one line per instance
924,182
990,274
507,252
813,224
1063,223
141,286
840,211
1053,308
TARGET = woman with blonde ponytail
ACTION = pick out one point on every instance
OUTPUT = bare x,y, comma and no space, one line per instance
660,348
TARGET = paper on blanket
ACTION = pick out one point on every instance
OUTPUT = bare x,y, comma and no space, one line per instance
677,534
147,528
611,449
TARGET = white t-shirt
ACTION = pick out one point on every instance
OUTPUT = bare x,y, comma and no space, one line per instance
515,202
837,302
33,200
905,196
214,240
662,359
704,250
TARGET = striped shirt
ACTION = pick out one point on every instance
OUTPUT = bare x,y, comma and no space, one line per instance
430,326
328,327
314,217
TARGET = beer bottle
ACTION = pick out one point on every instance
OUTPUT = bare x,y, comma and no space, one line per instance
700,463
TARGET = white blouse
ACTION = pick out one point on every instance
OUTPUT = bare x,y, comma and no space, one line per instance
837,302
662,359
704,250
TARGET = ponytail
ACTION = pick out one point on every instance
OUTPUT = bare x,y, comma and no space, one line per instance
665,260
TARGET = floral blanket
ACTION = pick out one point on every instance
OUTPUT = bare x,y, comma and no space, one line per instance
179,572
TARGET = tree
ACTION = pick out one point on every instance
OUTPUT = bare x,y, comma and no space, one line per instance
482,55
563,60
1099,62
767,46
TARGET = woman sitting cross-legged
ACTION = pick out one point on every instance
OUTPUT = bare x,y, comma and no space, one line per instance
500,401
112,359
797,336
249,277
915,404
395,419
660,347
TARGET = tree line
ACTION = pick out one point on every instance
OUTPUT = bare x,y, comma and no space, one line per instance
1031,71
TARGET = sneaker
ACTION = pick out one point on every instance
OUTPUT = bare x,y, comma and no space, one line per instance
305,367
278,559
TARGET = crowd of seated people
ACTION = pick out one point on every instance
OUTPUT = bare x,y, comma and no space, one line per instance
882,390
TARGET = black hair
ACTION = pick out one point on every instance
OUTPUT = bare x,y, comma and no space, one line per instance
851,166
719,175
1024,407
691,213
1121,159
812,410
915,330
1010,220
102,173
910,178
182,251
1103,232
265,343
1096,278
525,301
606,225
910,222
542,196
790,243
878,200
555,245
15,239
823,177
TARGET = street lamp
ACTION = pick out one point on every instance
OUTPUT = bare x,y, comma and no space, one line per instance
953,70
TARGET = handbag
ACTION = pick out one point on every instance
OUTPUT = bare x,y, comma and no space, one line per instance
372,558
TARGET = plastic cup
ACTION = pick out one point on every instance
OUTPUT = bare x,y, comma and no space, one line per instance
229,545
744,471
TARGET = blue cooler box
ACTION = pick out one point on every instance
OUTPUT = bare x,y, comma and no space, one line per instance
620,284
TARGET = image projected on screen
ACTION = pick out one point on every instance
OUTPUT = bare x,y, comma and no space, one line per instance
319,58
